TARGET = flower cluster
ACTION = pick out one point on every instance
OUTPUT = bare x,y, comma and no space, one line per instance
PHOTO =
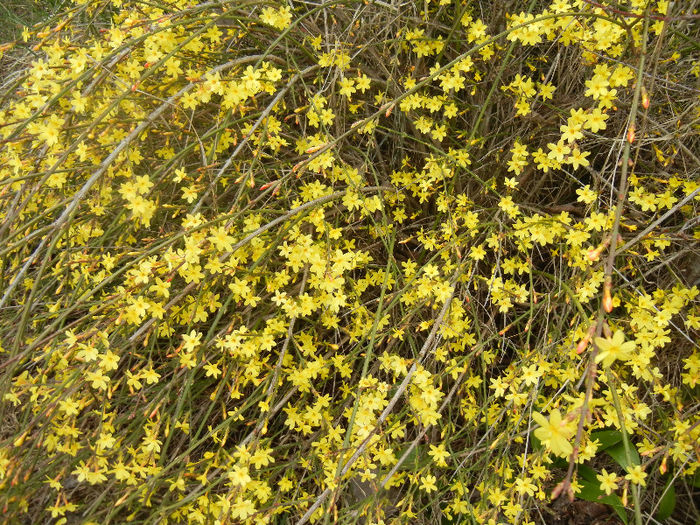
264,264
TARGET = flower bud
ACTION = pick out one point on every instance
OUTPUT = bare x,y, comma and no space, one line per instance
607,297
583,343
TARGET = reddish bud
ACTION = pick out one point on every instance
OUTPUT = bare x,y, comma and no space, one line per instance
593,255
155,411
583,344
607,297
556,492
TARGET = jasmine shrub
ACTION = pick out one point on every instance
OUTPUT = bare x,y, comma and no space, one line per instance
341,262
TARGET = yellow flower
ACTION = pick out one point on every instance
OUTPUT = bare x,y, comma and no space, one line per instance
212,370
595,121
279,18
188,359
69,407
221,239
191,340
611,349
81,472
439,454
558,151
597,87
242,508
477,252
578,158
189,193
239,476
109,361
586,195
51,129
98,380
608,482
554,433
637,476
150,375
428,483
362,83
347,87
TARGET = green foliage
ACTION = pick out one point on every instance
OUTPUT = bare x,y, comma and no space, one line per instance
18,14
591,491
349,262
667,503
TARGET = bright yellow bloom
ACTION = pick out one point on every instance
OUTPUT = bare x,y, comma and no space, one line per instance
637,476
347,87
578,158
586,194
279,18
555,433
611,349
608,482
191,340
239,476
428,483
439,454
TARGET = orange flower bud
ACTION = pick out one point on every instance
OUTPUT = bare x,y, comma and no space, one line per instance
583,343
594,254
607,297
556,492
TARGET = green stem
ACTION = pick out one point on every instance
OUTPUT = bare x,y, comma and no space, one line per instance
625,442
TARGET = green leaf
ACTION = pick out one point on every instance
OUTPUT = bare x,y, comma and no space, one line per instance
616,503
418,456
607,438
618,454
587,473
590,491
668,502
